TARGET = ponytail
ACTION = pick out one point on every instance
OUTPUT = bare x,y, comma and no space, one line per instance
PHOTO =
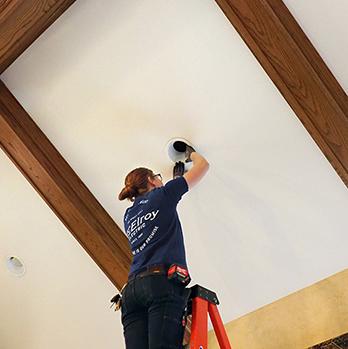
127,193
136,183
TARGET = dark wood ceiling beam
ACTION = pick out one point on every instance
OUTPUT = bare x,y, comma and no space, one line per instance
298,71
22,22
61,188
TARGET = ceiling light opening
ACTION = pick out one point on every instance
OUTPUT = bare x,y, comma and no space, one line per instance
15,266
176,149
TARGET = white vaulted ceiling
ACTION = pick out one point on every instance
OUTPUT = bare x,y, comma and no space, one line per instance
110,83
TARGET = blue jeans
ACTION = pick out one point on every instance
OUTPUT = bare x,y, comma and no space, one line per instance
152,313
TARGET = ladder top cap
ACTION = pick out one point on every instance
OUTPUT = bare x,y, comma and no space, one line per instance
204,293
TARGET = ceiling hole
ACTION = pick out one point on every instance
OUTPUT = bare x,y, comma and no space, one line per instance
176,149
15,266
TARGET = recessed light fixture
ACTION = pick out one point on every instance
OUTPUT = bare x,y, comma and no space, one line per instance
15,266
176,149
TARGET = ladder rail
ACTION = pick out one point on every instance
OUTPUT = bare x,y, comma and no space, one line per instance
218,326
199,329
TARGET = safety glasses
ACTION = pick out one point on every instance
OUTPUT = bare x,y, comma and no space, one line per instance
158,175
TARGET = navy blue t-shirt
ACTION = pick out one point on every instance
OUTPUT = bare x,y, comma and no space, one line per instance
153,228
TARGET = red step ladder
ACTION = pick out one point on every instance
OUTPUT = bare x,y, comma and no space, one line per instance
203,302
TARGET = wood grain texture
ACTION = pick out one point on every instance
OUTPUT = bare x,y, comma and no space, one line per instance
61,188
22,22
300,74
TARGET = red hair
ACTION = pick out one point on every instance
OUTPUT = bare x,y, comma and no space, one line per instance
136,183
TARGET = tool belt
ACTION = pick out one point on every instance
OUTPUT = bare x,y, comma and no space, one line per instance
174,272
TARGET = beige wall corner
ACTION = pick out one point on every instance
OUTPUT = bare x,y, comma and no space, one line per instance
307,317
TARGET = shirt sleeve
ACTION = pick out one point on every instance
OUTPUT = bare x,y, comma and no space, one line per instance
175,189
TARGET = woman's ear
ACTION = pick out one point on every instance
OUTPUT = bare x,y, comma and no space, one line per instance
150,181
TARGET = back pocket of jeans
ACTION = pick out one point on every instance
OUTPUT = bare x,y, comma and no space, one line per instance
160,286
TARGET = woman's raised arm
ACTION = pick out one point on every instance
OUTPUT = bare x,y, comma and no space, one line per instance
199,169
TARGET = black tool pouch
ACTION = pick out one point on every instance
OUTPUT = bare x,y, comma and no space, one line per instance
116,301
186,319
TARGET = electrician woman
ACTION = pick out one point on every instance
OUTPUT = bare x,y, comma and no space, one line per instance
153,305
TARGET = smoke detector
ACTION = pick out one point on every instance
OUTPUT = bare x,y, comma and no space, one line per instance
176,149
